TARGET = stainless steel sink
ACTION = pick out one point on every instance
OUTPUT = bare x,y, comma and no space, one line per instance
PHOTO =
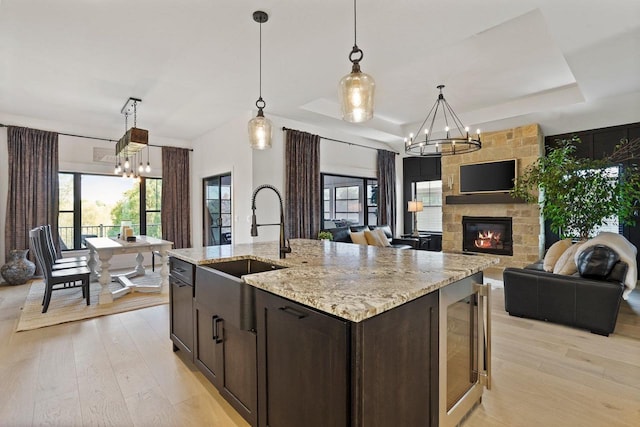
220,284
239,268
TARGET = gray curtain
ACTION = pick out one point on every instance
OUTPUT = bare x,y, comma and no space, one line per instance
302,180
176,200
386,174
32,199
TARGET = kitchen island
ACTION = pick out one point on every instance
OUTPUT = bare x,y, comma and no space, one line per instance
343,335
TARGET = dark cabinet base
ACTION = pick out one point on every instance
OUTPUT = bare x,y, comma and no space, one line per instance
303,365
181,307
224,353
318,370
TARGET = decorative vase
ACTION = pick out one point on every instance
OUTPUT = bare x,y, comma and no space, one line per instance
19,269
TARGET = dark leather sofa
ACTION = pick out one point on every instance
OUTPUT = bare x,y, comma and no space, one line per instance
343,234
584,302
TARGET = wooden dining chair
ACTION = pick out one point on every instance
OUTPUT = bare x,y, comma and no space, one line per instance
56,279
80,261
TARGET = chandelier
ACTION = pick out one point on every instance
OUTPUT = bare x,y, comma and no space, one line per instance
129,147
456,140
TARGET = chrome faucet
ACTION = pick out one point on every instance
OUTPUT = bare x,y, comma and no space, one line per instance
284,247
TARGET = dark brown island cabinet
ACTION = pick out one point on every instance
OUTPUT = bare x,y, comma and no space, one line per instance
225,353
318,370
283,364
181,293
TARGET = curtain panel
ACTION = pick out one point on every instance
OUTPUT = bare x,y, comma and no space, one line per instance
386,174
32,199
302,182
176,201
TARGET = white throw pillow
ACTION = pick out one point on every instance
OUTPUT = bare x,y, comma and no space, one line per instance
384,240
372,238
566,264
554,253
358,238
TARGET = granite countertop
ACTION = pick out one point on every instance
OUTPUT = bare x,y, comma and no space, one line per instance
353,282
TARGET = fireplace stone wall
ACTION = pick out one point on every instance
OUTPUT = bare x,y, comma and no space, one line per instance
525,144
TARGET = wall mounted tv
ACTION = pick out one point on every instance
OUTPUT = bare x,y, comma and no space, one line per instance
489,177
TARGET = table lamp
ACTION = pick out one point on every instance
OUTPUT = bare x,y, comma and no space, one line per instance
415,206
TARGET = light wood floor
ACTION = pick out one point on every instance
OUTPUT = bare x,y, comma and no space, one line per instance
119,370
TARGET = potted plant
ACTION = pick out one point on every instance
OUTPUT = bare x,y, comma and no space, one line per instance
576,194
325,235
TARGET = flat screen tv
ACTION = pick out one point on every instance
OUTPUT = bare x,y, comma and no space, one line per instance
489,177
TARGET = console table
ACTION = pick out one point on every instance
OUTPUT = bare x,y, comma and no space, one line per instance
103,248
424,242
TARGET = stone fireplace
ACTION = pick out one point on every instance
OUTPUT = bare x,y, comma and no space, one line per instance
488,235
523,144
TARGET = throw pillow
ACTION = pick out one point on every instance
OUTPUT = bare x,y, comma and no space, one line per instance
597,261
359,238
372,238
382,237
566,263
554,253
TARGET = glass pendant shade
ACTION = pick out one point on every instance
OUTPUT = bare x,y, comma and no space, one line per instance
357,91
260,132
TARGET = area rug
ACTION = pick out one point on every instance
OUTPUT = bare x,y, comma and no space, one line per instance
67,305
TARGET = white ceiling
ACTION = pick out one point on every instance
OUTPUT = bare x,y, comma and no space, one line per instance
194,63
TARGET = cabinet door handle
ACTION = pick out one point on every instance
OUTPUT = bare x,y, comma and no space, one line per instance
218,337
293,312
214,330
181,285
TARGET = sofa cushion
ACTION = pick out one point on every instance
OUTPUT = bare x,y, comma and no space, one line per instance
340,234
359,238
597,261
554,253
566,264
618,272
358,228
376,238
382,237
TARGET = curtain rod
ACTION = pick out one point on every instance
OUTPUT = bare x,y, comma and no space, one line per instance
342,142
99,139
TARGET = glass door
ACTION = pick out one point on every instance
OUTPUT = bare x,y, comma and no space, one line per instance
465,347
217,210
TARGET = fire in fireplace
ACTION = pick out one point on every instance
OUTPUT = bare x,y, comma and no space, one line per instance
491,235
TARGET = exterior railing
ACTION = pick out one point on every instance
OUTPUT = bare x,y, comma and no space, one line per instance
67,233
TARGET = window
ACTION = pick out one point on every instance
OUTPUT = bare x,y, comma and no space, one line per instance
95,206
430,193
153,199
217,210
349,201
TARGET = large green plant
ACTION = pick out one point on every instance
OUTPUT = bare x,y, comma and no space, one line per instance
578,194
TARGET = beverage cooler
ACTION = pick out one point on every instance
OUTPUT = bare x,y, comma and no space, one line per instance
465,348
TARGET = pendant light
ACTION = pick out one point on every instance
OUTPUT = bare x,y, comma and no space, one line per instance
357,88
130,146
260,126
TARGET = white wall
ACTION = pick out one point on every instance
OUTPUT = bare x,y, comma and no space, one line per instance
221,151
